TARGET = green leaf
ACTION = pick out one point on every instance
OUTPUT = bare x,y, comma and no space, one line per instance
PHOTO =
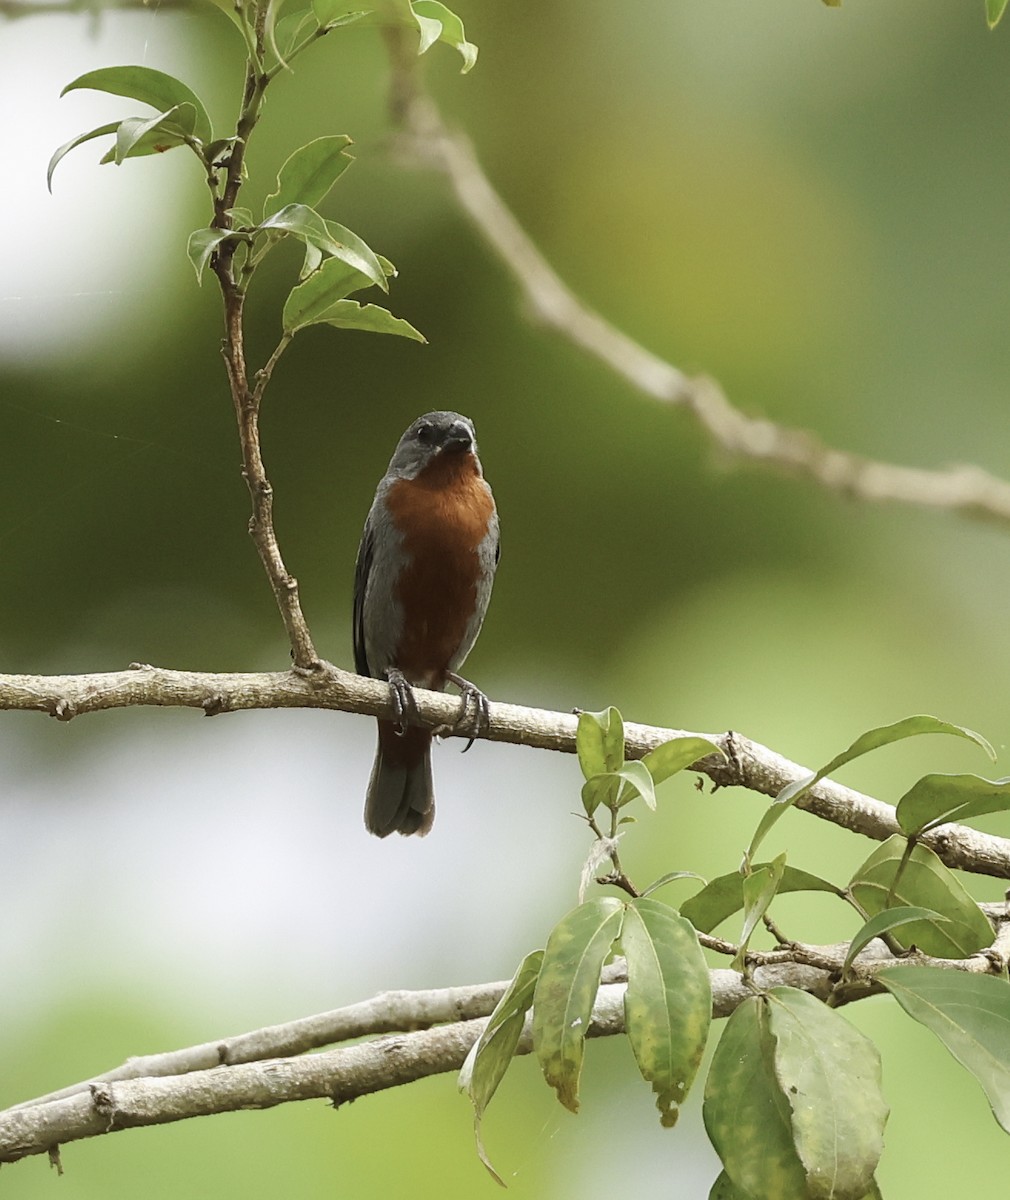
994,10
668,1004
134,129
308,174
759,890
349,314
293,28
873,739
670,877
829,1073
489,1057
724,896
566,988
599,741
745,1113
924,883
637,782
81,138
970,1014
676,755
310,301
600,789
725,1189
305,223
331,13
450,30
158,139
937,799
228,8
151,87
883,922
201,245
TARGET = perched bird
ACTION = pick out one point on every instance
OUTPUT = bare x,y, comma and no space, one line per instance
422,583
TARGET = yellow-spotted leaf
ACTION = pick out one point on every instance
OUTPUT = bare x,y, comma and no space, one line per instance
668,1004
566,988
829,1074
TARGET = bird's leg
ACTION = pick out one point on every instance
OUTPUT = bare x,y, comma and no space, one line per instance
402,695
480,720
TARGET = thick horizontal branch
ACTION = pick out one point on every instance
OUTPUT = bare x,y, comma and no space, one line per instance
219,1077
427,139
746,764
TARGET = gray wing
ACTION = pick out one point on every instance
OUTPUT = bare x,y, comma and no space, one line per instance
362,569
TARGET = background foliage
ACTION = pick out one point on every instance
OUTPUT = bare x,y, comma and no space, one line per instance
807,203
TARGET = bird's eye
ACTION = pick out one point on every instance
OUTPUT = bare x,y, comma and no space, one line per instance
425,432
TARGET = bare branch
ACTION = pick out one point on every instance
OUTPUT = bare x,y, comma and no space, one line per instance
746,764
426,139
208,1079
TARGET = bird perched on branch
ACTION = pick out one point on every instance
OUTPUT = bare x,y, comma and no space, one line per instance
422,583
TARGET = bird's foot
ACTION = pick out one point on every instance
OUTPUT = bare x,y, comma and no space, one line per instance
474,711
402,695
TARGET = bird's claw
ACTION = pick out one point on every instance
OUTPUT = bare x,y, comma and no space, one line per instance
474,722
402,696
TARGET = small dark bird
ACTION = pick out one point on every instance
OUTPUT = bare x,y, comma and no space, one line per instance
422,584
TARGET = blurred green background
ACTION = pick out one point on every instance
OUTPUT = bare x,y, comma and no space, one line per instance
809,204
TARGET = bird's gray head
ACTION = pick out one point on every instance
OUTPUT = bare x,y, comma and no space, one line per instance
429,436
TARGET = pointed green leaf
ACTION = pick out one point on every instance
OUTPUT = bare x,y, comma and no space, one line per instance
637,782
334,280
357,253
151,87
670,877
759,890
158,138
293,28
450,30
924,883
937,799
994,10
308,174
81,138
490,1055
829,1073
349,314
873,739
569,979
724,896
746,1115
331,13
970,1014
883,922
201,245
600,789
668,1004
305,223
676,755
599,741
133,129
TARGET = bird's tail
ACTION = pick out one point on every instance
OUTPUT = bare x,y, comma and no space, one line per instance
401,797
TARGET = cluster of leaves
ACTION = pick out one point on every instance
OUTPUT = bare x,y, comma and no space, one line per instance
793,1102
337,263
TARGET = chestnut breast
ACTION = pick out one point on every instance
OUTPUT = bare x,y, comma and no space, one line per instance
443,516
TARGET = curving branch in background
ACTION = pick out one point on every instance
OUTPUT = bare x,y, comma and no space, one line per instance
427,139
